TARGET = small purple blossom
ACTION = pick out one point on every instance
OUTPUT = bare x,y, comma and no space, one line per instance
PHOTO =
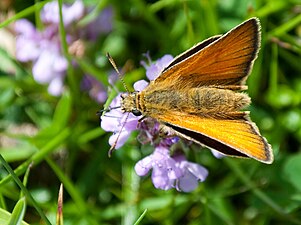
140,85
114,120
27,41
43,47
171,171
101,25
154,69
95,89
71,13
167,170
192,174
217,154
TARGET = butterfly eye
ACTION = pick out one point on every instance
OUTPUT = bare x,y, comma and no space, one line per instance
136,112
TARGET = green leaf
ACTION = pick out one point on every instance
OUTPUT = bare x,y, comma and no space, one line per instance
59,121
16,153
5,217
18,213
62,111
292,168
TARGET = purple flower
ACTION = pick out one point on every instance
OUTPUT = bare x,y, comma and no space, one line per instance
101,25
165,171
171,172
154,69
192,174
71,13
50,67
96,89
44,49
26,41
121,124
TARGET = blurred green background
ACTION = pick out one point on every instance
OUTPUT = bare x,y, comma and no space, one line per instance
60,140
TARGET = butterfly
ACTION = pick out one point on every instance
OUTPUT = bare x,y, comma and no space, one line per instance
199,95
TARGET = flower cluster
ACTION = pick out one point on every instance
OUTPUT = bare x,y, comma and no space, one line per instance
170,169
43,47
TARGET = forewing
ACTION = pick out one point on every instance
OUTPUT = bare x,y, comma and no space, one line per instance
192,51
231,137
225,61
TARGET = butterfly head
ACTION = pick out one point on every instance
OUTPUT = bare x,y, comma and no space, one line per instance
129,104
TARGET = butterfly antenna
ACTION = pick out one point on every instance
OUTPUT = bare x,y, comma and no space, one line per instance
100,112
113,147
111,60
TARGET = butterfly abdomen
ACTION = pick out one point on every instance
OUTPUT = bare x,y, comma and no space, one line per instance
214,101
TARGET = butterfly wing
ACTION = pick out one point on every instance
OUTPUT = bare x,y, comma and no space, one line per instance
225,60
196,48
239,137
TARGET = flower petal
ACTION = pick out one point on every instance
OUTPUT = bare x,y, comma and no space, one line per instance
55,87
118,139
49,65
25,28
26,49
187,183
71,13
217,154
173,171
143,166
140,85
160,179
155,69
197,170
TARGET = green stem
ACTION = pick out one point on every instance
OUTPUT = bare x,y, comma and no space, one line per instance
284,28
130,191
24,190
63,38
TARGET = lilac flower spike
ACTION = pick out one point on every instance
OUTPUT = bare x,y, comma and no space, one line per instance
43,47
27,41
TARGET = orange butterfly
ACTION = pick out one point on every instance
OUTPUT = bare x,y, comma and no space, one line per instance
197,96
